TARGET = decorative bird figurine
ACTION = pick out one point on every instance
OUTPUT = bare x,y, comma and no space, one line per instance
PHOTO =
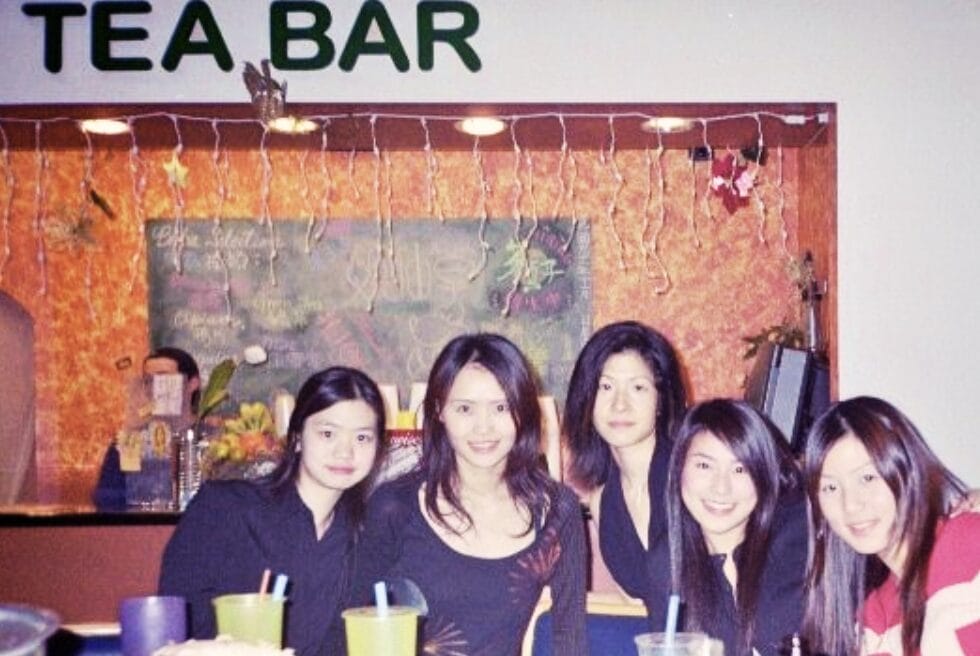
268,95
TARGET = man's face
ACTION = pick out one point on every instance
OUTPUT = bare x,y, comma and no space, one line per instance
163,365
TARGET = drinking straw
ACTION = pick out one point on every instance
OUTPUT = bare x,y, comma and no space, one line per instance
265,582
279,587
672,608
381,598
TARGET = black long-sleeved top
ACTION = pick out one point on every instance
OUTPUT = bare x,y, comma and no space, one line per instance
622,550
478,606
234,530
779,609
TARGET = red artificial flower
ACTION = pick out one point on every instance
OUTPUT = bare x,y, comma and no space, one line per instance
732,181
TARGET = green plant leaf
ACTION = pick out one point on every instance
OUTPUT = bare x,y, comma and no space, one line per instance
216,390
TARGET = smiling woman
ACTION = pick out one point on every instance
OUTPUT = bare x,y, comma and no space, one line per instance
736,547
480,528
879,495
300,521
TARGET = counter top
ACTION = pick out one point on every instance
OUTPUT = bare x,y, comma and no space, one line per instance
33,514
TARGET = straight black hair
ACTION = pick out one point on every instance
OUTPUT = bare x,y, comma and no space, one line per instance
925,491
527,481
590,455
758,445
320,391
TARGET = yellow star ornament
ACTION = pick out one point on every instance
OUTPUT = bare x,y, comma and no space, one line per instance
176,172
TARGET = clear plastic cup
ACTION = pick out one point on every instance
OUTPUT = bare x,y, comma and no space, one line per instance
681,644
370,633
251,618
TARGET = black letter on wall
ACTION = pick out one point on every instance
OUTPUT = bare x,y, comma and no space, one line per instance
428,34
53,14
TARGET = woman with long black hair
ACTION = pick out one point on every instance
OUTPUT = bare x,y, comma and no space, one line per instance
481,528
624,400
736,515
300,521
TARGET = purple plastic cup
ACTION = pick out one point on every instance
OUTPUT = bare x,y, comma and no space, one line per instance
148,623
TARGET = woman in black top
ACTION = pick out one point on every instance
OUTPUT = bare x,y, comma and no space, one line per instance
624,399
300,522
737,531
480,528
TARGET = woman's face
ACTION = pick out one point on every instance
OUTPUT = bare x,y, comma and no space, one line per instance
718,492
338,446
856,500
477,419
625,406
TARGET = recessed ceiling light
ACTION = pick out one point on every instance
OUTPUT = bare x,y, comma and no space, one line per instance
104,126
481,126
292,125
667,124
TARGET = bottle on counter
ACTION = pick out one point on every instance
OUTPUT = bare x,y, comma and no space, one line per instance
189,468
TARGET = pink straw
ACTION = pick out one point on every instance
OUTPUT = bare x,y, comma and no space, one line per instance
265,582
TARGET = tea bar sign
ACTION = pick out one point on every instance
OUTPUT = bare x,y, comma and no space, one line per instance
303,35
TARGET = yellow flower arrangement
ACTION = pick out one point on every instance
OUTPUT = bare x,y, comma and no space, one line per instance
247,447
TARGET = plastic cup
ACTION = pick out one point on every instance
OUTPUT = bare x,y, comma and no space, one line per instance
370,633
251,618
148,623
682,644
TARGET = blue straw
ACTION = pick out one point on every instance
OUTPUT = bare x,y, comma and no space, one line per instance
279,587
381,598
672,608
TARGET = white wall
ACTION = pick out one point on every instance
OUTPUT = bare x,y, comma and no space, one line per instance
902,73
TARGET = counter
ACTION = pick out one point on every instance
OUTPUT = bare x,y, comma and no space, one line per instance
78,561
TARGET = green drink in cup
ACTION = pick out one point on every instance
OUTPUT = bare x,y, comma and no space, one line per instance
255,618
372,631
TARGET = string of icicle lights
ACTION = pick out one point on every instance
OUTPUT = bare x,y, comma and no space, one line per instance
522,188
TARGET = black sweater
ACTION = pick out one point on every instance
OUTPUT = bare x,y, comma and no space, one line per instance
622,551
232,531
478,606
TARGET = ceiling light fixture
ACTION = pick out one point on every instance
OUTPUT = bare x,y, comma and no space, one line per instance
481,126
667,124
103,126
292,125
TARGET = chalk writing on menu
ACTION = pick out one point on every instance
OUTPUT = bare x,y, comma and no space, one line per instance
309,309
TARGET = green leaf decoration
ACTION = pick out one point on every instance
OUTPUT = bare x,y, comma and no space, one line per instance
216,391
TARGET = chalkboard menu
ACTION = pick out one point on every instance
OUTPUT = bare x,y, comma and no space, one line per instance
384,299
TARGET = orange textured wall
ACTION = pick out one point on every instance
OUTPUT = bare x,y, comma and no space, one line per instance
728,273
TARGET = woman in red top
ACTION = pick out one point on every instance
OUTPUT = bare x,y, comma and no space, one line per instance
886,546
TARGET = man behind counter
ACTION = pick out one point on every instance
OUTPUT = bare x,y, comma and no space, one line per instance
110,490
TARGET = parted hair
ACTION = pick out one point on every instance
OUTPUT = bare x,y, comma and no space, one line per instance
590,455
925,491
527,481
320,391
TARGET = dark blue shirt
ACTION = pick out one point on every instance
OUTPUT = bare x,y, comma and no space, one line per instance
478,606
234,530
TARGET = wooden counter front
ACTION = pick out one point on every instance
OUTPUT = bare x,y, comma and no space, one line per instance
80,563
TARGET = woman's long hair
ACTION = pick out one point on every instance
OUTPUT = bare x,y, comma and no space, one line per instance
320,391
527,481
757,444
924,491
590,455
